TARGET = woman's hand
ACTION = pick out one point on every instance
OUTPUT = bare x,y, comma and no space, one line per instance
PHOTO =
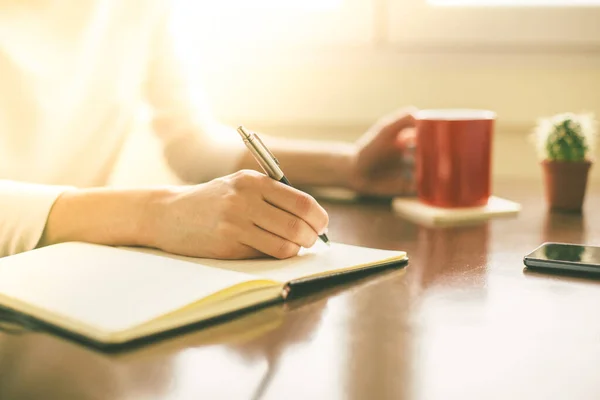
380,165
244,215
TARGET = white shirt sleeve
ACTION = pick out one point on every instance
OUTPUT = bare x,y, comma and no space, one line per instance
24,210
196,147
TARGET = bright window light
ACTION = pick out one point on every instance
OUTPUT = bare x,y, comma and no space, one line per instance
225,28
516,3
233,5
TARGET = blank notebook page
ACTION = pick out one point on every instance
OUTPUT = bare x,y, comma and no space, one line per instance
108,288
319,259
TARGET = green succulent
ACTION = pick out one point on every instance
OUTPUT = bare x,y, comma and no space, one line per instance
566,142
566,137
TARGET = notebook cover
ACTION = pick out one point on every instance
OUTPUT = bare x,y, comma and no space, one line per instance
29,323
33,324
340,274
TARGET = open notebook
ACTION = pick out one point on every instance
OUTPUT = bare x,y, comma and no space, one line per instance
111,295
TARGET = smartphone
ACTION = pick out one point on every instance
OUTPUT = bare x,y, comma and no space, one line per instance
564,257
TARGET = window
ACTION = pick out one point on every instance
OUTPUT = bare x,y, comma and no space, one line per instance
238,28
516,3
519,24
232,29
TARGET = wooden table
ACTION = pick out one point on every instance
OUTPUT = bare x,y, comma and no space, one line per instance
462,321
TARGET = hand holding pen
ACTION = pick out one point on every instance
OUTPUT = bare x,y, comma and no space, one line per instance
246,214
267,161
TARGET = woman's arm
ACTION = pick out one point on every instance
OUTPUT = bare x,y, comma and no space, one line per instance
243,215
102,216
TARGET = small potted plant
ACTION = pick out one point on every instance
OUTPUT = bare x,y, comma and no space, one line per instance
565,144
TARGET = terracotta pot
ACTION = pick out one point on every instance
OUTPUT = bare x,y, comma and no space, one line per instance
566,184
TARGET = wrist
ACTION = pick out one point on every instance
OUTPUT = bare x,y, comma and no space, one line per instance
104,216
155,212
329,168
343,166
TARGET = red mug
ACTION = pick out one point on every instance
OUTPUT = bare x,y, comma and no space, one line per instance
454,156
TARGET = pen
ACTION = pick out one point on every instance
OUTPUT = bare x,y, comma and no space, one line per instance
267,160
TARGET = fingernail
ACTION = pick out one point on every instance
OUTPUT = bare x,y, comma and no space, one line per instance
323,231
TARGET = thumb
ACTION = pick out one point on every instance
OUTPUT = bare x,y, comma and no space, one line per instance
406,138
393,123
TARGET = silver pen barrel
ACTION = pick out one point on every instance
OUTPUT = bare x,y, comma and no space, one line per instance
262,155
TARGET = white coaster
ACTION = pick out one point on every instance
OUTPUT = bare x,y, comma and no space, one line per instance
413,210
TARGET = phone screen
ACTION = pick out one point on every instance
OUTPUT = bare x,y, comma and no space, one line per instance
567,253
